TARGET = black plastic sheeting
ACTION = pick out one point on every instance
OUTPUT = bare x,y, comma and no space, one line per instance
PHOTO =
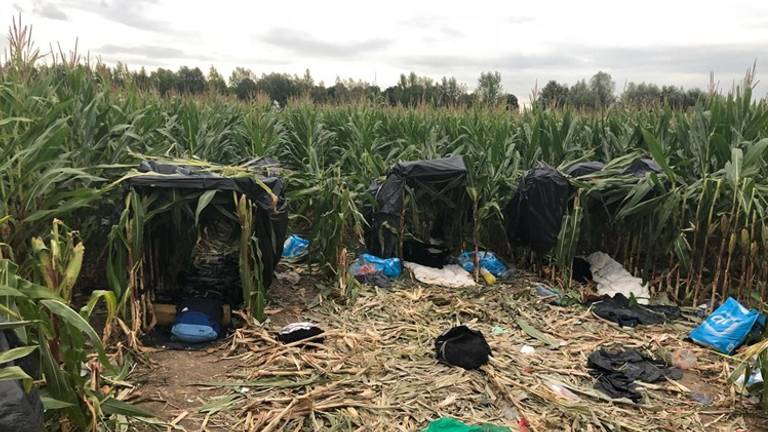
617,369
434,175
629,314
640,167
270,219
535,213
585,168
463,347
19,411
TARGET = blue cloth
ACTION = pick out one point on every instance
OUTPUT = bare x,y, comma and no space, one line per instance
295,246
391,267
727,327
194,327
488,261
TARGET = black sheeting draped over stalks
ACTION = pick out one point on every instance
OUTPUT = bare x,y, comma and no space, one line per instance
435,177
270,221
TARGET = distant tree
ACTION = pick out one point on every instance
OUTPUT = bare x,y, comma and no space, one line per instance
141,80
239,74
319,94
279,87
580,96
553,95
163,80
489,88
303,84
190,81
511,103
245,89
216,82
602,86
449,92
642,94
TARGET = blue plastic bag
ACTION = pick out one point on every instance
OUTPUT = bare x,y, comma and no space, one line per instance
488,261
195,327
295,247
367,263
727,327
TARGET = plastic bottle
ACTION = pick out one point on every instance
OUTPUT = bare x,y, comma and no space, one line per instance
490,279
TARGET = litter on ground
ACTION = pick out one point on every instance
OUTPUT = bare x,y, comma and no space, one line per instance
376,369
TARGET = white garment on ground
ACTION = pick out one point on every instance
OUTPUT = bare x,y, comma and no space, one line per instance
451,276
613,278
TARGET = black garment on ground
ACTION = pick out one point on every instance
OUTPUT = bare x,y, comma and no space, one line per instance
463,347
581,271
535,213
617,369
585,168
626,314
299,331
19,411
421,253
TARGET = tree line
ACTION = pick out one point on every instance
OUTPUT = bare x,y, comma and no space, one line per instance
410,90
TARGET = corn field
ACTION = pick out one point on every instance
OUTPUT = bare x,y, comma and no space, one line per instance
698,231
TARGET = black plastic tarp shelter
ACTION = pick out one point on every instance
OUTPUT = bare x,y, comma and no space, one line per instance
436,177
535,213
211,193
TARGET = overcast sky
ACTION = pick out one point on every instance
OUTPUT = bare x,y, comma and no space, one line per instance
664,41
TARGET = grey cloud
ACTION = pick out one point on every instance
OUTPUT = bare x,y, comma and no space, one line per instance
305,44
127,12
152,52
680,59
450,31
699,59
49,10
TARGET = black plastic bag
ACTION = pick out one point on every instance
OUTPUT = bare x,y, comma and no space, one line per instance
463,347
628,314
585,168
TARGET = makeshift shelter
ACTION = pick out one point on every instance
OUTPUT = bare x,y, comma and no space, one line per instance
437,184
535,212
193,229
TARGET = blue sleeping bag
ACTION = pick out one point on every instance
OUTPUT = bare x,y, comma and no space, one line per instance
198,320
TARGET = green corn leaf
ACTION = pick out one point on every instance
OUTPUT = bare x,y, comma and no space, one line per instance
75,320
16,373
203,202
16,353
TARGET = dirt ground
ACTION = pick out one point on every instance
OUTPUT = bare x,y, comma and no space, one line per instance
184,387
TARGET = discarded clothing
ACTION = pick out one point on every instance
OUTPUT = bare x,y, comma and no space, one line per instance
450,276
585,168
463,347
613,278
448,424
617,369
488,261
626,313
535,213
367,263
728,327
377,278
295,332
295,247
425,254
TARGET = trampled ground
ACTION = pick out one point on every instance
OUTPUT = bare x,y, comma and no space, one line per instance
376,370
